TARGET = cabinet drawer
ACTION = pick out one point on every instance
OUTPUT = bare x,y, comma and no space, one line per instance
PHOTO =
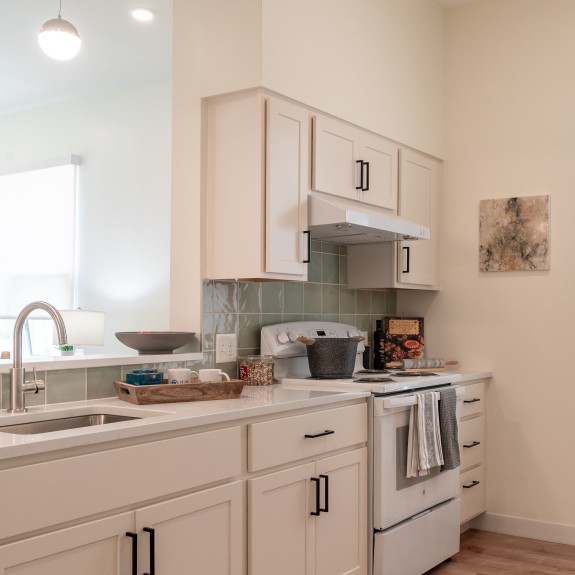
54,492
472,442
472,492
473,399
283,440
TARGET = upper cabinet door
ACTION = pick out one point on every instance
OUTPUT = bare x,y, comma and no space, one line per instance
354,164
379,161
418,201
287,184
335,153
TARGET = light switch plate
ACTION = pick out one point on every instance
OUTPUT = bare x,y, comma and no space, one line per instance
226,348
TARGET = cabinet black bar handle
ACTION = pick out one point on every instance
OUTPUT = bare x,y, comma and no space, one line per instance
317,496
360,187
366,189
472,444
326,493
308,260
152,533
471,400
470,485
405,269
326,432
134,537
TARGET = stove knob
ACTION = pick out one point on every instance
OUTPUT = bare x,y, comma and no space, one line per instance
283,337
293,335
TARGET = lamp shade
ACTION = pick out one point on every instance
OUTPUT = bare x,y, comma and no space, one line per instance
59,39
83,327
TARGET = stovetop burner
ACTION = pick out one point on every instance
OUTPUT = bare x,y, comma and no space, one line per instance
372,379
413,373
372,371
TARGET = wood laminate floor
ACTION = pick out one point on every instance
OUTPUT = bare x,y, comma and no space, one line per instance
486,553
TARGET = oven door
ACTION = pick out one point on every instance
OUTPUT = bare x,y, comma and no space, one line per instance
395,497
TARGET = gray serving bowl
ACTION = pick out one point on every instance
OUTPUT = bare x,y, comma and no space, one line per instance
154,342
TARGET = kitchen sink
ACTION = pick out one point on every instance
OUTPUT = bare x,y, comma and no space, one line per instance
63,423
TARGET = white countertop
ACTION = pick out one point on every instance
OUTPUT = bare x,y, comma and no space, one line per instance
47,363
160,418
157,418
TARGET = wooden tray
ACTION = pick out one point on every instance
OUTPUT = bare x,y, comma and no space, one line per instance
173,393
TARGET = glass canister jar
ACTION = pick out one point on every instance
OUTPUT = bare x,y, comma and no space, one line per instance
256,369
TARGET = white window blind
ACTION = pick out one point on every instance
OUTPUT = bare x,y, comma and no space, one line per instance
38,235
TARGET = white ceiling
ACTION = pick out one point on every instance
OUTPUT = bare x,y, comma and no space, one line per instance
115,49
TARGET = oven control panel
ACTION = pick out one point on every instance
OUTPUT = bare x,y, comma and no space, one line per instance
280,340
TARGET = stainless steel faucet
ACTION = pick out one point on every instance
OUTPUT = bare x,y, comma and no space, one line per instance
19,387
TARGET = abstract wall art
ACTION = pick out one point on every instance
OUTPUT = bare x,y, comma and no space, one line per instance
514,234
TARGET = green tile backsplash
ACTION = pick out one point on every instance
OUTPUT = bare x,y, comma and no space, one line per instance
242,308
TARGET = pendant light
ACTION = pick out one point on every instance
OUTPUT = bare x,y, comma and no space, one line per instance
59,39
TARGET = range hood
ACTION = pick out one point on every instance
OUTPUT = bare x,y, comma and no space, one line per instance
347,222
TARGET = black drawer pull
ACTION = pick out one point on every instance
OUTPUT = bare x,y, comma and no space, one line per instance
308,259
360,187
317,496
470,485
471,400
134,537
475,443
152,533
405,264
326,432
326,492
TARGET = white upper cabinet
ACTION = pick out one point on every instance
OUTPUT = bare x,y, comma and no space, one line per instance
256,185
354,164
418,201
409,264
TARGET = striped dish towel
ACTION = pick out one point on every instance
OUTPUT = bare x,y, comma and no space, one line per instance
448,428
424,450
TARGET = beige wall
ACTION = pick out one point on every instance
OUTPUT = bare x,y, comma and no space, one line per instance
511,132
376,63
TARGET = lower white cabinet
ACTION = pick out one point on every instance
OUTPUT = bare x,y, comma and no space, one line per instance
472,449
95,548
177,506
197,533
310,518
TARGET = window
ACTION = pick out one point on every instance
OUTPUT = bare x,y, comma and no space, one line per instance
38,239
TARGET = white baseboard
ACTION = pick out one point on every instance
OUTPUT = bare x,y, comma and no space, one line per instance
555,532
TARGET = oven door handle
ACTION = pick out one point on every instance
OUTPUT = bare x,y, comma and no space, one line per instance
406,401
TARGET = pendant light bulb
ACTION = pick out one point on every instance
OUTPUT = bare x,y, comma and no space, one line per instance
59,39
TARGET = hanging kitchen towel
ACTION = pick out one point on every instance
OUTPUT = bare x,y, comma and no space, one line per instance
424,449
448,428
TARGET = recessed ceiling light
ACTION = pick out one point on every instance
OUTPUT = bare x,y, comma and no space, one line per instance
143,14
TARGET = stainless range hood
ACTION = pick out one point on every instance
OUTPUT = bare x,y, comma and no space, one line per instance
347,222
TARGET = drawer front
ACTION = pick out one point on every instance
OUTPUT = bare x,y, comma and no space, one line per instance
280,441
53,492
473,399
472,442
472,492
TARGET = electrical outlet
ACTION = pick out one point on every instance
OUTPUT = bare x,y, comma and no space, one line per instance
226,348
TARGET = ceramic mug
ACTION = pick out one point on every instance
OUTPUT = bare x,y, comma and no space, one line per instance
212,375
180,375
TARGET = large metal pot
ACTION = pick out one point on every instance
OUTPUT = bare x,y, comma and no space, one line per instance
332,357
